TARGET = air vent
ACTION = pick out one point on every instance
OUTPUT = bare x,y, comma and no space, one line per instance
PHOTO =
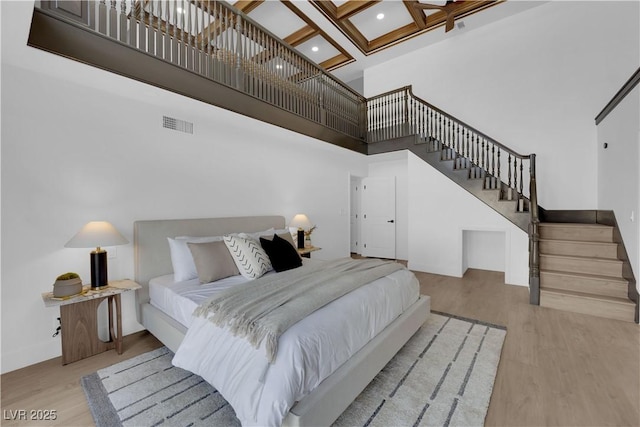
177,124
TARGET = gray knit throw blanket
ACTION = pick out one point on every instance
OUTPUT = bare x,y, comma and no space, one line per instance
266,307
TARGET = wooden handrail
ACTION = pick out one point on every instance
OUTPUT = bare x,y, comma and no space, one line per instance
619,96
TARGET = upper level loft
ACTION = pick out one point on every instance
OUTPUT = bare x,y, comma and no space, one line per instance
210,51
185,46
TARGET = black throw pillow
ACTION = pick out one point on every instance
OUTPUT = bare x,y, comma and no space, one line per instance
282,254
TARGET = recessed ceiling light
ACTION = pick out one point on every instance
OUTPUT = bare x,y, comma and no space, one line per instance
380,16
315,48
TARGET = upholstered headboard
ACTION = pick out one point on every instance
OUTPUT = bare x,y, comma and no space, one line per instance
152,257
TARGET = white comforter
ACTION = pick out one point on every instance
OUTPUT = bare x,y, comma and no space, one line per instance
261,393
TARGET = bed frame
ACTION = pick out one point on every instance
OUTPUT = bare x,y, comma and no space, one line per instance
324,404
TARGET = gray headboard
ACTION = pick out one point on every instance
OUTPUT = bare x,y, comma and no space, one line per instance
151,248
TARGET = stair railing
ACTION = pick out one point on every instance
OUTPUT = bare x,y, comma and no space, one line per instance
220,43
399,113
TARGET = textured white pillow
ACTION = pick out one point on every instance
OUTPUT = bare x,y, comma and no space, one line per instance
184,268
252,261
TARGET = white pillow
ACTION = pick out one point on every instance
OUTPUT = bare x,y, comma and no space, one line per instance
252,261
256,235
184,268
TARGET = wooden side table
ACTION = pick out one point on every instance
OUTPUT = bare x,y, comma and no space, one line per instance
79,320
306,252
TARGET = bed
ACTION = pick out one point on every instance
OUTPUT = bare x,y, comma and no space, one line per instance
328,399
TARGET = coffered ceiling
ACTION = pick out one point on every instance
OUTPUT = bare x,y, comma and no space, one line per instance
335,33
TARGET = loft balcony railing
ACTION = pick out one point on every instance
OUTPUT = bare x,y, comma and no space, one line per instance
215,41
218,42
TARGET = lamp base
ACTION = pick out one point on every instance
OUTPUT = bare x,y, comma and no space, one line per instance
99,269
300,238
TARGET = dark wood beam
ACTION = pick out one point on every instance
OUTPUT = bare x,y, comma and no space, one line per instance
247,6
350,8
392,37
418,15
302,35
337,61
355,35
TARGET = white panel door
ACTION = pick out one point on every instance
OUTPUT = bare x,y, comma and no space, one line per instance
378,217
355,214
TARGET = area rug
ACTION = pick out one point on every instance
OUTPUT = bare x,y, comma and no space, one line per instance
443,376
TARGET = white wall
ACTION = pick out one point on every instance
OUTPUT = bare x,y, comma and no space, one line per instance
484,249
440,211
618,176
533,81
81,144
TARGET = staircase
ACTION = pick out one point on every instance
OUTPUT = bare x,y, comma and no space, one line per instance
495,174
580,271
503,197
573,267
500,196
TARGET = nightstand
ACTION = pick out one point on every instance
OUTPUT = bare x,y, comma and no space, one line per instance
79,320
306,252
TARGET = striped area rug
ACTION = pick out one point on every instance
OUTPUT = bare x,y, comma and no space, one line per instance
443,376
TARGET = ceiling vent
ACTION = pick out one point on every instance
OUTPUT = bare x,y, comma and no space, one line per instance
177,124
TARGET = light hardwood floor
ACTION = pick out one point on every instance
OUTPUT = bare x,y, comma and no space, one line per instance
556,369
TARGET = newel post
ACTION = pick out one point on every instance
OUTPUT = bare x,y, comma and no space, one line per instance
534,237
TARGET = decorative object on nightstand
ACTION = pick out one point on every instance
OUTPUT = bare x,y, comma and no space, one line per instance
79,319
94,235
301,222
306,252
67,285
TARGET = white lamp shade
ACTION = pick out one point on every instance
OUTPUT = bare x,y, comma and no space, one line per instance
300,221
95,234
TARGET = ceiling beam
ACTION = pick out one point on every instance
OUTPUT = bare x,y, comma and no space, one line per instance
337,61
319,32
350,8
302,35
354,34
418,15
247,6
392,37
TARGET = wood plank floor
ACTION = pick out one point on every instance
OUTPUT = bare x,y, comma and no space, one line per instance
556,369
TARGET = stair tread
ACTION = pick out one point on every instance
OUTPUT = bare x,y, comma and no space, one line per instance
587,276
573,225
615,300
578,257
581,242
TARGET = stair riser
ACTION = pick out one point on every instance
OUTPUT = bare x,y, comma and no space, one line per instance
600,308
595,286
555,247
582,234
587,266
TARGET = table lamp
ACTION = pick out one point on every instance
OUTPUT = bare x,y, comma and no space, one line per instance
94,235
300,221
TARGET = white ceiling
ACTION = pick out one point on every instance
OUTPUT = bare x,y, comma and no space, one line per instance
281,21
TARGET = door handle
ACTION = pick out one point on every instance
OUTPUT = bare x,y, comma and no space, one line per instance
391,221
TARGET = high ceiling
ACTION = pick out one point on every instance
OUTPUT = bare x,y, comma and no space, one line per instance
346,36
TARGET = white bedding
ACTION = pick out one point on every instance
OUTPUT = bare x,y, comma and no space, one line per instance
309,351
180,299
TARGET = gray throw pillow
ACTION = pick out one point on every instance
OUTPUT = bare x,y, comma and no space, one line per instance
213,261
